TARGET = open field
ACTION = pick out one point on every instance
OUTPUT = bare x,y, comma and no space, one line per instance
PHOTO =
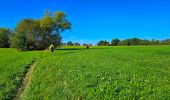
141,72
13,66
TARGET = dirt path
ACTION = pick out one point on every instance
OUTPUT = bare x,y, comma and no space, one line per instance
25,81
27,78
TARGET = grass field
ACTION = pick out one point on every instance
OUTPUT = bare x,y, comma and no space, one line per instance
139,72
13,66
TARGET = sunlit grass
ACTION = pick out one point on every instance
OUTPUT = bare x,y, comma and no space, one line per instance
13,66
102,73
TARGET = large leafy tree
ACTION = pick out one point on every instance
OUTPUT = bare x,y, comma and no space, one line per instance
115,42
135,41
103,43
39,34
4,37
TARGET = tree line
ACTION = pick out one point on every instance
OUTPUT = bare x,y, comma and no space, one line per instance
133,42
69,43
35,34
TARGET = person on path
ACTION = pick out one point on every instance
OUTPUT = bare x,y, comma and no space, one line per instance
87,46
52,48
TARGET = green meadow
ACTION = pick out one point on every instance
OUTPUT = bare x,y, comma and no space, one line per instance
123,72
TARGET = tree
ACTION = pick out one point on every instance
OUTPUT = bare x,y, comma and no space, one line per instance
76,44
39,34
103,43
23,37
85,44
22,42
145,42
135,41
115,42
4,37
167,42
69,43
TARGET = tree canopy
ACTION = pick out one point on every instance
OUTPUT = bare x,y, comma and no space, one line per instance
115,42
103,43
133,42
31,34
4,37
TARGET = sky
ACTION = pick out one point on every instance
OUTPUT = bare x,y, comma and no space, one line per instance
94,20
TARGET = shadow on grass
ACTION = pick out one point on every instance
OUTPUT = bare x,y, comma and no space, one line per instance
69,50
72,49
98,48
81,48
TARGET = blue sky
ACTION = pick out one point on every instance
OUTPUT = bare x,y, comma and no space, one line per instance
94,20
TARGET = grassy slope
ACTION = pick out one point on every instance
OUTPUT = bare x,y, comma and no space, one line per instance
102,72
13,65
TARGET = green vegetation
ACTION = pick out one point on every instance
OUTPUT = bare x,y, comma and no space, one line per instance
133,42
13,66
4,37
31,34
38,34
97,73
